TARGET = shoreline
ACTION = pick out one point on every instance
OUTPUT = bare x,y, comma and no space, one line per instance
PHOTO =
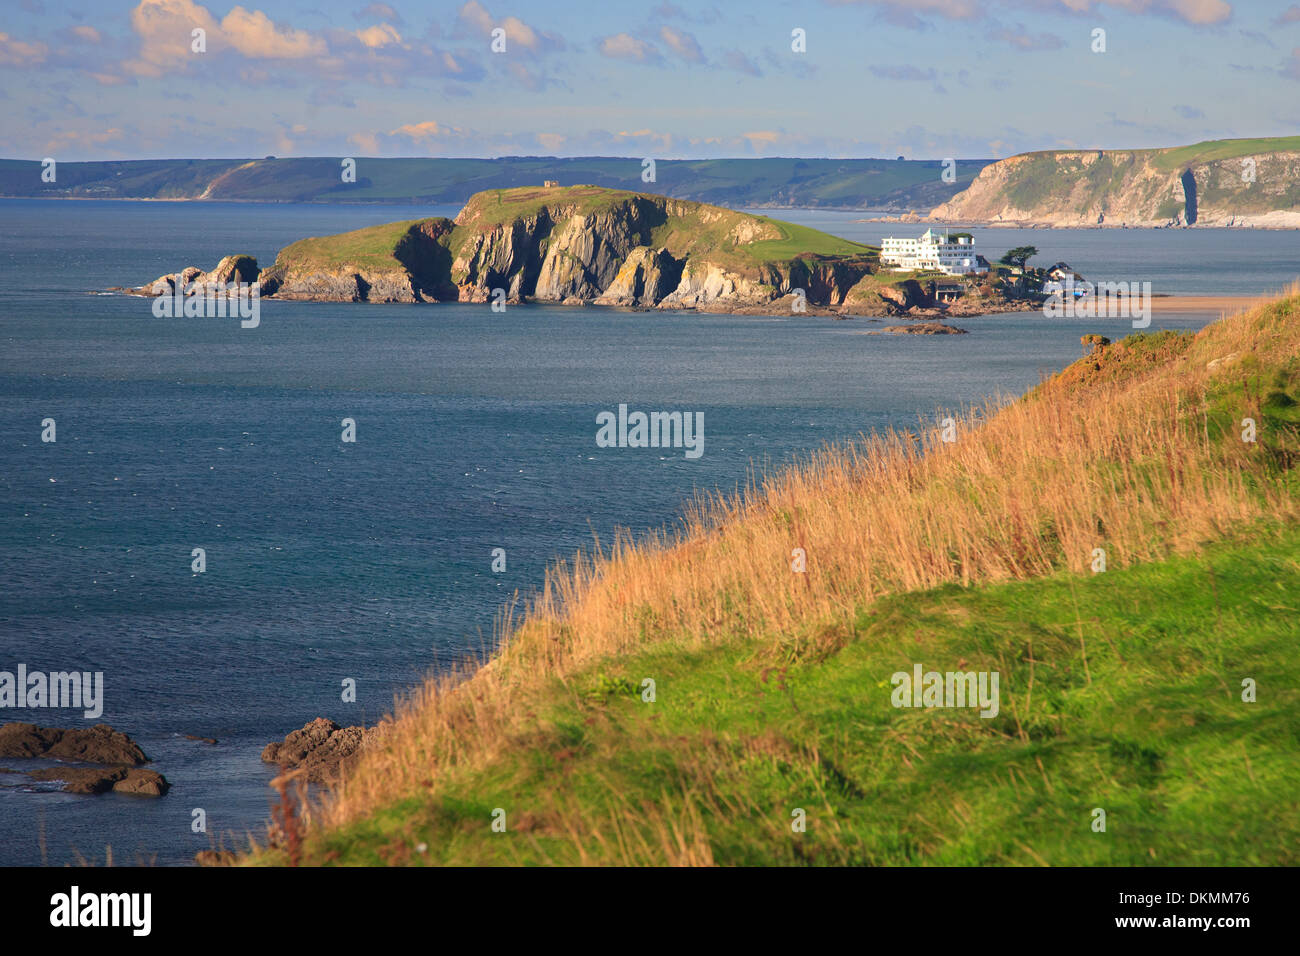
1160,302
916,219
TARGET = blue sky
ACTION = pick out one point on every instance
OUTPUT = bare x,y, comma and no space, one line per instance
98,79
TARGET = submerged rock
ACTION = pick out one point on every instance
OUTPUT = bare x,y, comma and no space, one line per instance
88,780
919,328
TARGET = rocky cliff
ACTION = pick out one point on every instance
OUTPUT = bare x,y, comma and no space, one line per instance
606,247
1222,183
580,244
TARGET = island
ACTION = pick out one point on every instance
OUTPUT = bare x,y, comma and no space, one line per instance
587,245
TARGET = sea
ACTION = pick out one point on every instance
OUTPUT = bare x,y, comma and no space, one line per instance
337,575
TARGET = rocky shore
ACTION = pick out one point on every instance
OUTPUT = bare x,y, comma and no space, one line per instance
322,749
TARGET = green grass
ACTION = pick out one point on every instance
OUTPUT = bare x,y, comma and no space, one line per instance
1220,149
494,207
701,231
798,240
369,248
1120,690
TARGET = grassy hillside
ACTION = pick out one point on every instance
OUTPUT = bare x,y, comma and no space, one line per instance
1134,708
1120,690
692,229
850,183
371,248
1216,150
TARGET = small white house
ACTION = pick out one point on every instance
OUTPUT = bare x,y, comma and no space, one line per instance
932,252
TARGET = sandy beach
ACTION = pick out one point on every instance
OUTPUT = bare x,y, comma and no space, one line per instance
1203,303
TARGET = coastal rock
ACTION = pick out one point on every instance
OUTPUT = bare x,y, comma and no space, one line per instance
646,277
706,282
231,270
919,328
142,783
344,285
84,780
98,744
237,269
95,780
118,755
27,740
321,748
873,296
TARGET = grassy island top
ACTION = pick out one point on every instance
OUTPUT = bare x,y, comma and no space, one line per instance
684,227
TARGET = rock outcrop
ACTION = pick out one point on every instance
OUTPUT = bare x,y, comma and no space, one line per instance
228,275
874,296
919,328
133,781
98,744
117,755
322,749
646,277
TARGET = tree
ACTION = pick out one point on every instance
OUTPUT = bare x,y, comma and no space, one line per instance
1019,256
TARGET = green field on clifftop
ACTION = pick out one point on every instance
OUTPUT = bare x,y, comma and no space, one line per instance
699,230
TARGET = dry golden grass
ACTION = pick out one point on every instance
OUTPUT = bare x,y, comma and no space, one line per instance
1117,452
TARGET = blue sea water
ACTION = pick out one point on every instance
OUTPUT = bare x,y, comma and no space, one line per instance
371,561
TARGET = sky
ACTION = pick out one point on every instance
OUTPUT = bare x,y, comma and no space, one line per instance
668,79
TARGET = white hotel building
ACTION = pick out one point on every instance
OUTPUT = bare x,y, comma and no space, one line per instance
932,252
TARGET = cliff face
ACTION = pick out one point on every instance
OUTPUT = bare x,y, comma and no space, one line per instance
1218,184
633,249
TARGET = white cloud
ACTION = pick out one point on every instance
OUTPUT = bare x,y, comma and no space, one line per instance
624,46
17,53
379,36
682,43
